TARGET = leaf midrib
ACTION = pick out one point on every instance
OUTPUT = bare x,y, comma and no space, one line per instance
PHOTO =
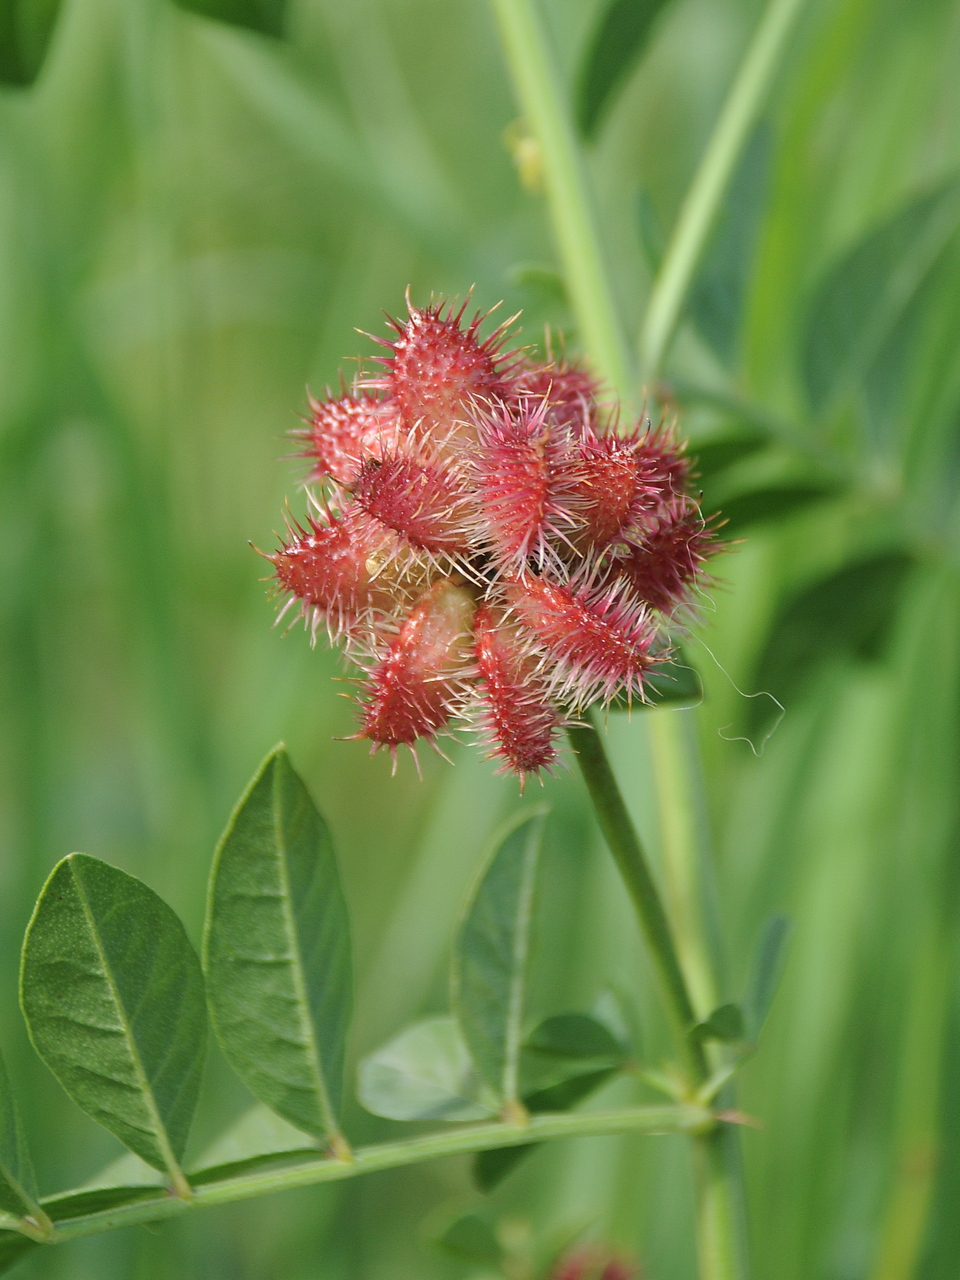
295,964
519,965
159,1132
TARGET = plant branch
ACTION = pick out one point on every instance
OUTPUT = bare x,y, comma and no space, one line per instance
574,218
390,1155
703,199
621,836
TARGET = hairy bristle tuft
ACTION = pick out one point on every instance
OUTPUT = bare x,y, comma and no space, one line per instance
521,721
411,692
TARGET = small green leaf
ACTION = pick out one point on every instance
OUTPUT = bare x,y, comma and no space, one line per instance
618,41
113,997
775,502
425,1073
715,454
847,614
565,1046
472,1239
490,957
18,1188
564,1059
547,281
865,294
765,970
725,1024
268,17
277,950
12,1248
81,1203
26,28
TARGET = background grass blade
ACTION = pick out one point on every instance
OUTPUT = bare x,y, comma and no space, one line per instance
490,959
265,16
113,997
277,951
26,28
616,45
866,293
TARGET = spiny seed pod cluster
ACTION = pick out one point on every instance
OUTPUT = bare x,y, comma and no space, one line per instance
486,544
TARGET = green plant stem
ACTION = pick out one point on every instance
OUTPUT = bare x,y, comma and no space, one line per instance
703,198
391,1155
720,1227
547,110
682,864
621,836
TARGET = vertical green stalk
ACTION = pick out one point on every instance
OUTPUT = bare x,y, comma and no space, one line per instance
624,843
681,855
546,107
701,202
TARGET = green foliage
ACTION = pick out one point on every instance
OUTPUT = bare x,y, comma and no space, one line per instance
726,1024
26,29
488,979
265,16
277,950
425,1073
18,1187
769,958
616,44
113,997
472,1239
564,1059
845,615
864,296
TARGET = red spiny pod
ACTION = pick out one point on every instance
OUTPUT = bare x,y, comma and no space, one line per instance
411,691
662,567
597,642
336,568
569,390
438,368
520,718
343,433
613,489
526,477
424,501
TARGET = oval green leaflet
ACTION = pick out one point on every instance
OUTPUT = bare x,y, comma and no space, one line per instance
277,952
113,997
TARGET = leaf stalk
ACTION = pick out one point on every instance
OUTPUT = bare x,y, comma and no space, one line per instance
464,1139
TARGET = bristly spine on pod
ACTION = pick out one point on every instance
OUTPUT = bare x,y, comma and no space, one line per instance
490,547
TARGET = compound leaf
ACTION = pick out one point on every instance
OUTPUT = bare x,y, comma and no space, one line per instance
277,950
113,997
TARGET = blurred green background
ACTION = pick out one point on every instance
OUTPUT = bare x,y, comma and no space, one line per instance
194,217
